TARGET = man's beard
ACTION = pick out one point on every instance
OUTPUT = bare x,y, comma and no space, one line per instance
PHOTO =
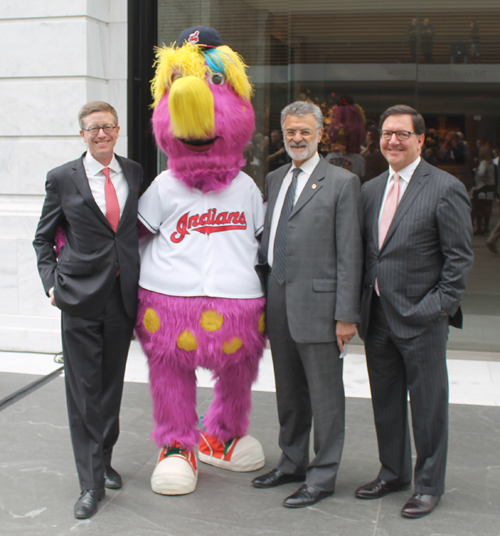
308,149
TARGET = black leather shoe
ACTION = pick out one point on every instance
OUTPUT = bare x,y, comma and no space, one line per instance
305,496
112,480
420,505
276,478
86,505
378,488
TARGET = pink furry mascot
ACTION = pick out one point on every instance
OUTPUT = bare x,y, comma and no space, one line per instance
200,300
347,125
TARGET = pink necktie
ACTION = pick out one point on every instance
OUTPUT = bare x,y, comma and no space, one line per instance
112,206
388,211
390,207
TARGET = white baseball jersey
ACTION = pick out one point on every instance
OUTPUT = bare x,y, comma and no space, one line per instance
202,244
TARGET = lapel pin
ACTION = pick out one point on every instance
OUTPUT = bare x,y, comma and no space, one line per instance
314,186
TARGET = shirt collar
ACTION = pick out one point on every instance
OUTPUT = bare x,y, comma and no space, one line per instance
407,172
308,166
96,167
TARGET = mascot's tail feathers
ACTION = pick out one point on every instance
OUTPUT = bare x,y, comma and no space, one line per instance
176,472
242,454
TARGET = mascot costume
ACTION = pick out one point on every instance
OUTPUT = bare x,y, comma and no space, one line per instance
201,302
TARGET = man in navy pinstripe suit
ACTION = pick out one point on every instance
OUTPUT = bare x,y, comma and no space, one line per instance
417,258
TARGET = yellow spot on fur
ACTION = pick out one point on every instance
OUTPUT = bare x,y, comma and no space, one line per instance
244,109
191,106
151,320
211,321
232,346
187,341
262,323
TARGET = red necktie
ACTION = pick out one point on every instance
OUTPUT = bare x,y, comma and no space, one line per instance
112,206
388,211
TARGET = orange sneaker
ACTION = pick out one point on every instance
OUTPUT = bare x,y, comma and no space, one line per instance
241,454
176,472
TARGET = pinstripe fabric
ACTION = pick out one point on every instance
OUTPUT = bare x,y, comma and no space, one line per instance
397,366
423,264
421,269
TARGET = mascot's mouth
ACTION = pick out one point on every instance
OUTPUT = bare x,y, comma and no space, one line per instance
199,145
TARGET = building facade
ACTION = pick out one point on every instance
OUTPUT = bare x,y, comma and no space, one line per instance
441,58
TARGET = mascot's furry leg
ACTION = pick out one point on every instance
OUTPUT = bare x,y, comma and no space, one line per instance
224,442
176,472
223,335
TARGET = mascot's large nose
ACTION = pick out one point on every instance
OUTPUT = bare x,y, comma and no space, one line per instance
191,106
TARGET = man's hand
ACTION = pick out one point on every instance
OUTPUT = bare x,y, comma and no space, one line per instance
345,332
51,296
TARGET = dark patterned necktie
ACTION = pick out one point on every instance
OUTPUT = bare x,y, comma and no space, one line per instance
279,258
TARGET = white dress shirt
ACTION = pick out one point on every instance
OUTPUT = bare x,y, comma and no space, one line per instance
93,170
405,176
307,169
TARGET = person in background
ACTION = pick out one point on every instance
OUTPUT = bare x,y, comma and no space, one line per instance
375,163
483,191
277,155
346,133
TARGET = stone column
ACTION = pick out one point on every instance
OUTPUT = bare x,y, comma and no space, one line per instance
56,55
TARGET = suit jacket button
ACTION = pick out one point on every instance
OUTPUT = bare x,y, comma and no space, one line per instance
116,265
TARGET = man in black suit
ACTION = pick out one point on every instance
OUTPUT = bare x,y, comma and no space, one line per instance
417,233
94,283
312,243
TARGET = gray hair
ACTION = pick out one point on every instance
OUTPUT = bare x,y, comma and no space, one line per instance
301,108
95,106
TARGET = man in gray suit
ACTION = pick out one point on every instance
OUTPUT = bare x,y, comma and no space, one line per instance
417,233
94,282
312,244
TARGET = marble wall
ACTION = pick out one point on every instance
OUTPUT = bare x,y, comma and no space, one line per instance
56,55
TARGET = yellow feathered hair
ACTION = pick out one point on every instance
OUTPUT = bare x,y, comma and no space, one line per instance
190,60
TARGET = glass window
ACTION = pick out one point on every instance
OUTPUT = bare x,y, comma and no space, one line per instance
356,58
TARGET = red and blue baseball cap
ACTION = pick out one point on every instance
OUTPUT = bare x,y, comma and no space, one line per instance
202,36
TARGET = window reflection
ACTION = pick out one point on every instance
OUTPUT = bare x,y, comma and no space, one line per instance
356,58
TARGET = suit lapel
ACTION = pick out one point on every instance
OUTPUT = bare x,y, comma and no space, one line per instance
312,187
272,192
417,182
276,190
82,183
128,176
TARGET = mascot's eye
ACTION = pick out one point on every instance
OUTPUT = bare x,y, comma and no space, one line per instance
217,79
175,76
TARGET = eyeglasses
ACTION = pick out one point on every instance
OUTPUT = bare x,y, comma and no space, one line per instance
94,129
401,135
303,133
